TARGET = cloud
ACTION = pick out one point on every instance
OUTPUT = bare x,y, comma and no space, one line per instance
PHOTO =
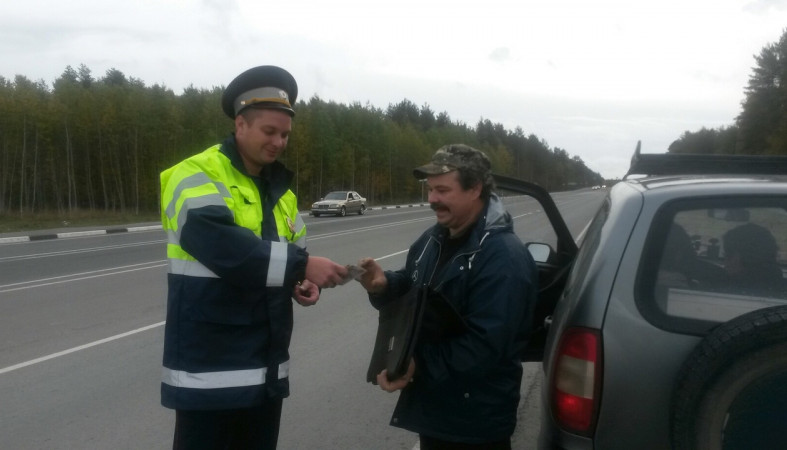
763,6
500,54
589,77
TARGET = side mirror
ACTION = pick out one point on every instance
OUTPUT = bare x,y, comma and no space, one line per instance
540,252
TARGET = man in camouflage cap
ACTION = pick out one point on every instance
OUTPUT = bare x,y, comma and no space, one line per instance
462,387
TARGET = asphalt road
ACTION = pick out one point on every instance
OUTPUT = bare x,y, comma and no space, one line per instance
81,332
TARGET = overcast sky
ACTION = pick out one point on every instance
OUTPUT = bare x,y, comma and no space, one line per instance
590,77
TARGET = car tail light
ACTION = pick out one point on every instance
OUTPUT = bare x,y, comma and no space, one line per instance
576,381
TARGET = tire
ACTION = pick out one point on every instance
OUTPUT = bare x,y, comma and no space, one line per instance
732,389
362,210
316,214
343,212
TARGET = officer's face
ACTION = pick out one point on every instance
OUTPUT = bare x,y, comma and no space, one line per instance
454,207
262,136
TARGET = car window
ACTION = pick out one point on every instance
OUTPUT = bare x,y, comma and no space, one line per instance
708,261
335,196
524,206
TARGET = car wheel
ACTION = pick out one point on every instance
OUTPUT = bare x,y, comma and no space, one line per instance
732,390
362,210
343,212
316,214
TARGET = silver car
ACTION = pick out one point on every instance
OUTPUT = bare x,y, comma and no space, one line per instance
669,328
339,203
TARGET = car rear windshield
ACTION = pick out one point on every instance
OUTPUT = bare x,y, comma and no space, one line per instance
707,261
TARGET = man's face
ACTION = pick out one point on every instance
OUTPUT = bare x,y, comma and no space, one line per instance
454,207
262,138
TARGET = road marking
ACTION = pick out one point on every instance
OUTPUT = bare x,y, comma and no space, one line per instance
79,250
132,268
372,227
76,349
111,338
80,276
391,255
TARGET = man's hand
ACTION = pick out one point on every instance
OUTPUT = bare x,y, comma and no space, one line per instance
325,273
373,280
306,293
399,383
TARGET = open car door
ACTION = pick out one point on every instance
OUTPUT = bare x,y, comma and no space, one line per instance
553,265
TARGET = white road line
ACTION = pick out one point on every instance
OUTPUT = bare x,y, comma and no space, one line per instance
122,335
79,250
79,276
111,338
357,230
390,255
76,349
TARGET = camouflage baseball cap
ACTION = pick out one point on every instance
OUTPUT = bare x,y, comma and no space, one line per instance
453,157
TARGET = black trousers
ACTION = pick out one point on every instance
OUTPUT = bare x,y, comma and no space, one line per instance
234,429
430,443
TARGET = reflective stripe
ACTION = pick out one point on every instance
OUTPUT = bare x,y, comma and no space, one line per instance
299,224
217,380
277,265
192,181
300,232
284,370
300,242
194,203
190,268
198,201
172,238
214,380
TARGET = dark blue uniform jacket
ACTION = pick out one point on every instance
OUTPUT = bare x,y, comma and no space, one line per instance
468,371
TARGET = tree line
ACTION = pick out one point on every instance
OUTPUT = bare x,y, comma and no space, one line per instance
99,144
761,126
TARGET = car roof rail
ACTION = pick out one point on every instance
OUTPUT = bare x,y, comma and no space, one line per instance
702,164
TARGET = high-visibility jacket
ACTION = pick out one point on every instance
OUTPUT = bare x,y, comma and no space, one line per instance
236,248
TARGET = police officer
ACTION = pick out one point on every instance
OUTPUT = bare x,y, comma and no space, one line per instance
236,251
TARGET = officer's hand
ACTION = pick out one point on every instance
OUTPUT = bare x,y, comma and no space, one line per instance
399,383
325,273
306,293
373,280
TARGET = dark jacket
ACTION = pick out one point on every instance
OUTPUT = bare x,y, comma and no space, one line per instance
468,357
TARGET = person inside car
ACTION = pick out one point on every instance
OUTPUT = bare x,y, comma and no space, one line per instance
750,252
681,267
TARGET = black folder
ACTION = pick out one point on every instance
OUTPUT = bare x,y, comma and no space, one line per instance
397,332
